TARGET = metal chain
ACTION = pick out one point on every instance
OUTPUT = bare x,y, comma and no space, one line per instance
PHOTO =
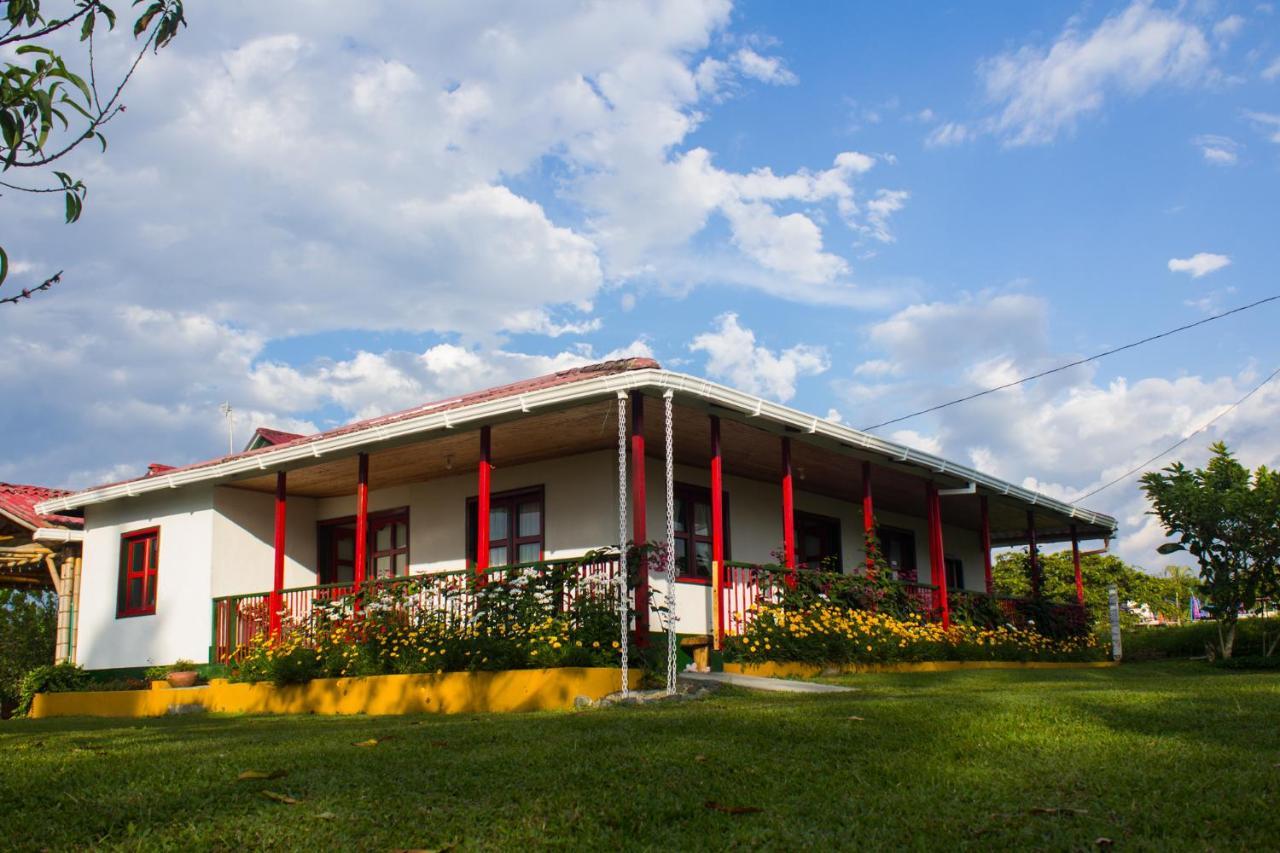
624,614
671,548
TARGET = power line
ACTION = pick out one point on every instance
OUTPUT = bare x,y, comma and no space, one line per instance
1126,475
1076,363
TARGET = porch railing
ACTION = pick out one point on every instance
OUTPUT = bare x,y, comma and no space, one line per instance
451,596
746,585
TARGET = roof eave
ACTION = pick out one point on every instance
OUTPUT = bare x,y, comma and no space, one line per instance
652,379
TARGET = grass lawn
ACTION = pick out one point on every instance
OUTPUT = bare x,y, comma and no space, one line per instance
1152,756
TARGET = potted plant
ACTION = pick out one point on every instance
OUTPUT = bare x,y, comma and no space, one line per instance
180,673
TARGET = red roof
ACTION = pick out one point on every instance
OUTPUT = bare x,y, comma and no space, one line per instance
563,377
20,502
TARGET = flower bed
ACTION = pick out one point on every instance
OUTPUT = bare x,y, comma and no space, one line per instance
522,619
825,633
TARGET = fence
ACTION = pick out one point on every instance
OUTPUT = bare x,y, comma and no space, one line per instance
450,596
746,585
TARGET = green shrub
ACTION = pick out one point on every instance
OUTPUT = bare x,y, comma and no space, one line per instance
51,678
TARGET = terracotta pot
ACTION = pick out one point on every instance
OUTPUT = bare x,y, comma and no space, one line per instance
183,678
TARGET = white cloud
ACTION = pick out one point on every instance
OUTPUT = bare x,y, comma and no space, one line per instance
949,133
1199,264
911,438
1042,92
1272,71
1066,434
733,355
1227,29
766,69
147,383
1268,123
1218,150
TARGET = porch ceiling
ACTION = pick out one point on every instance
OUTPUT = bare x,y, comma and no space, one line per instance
750,450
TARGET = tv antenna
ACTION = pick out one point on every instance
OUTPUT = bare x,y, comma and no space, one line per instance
230,415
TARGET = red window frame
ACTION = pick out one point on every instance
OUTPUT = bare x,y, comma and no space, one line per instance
330,530
511,500
827,529
905,542
687,541
146,543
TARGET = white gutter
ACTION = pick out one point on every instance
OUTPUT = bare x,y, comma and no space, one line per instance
57,534
558,395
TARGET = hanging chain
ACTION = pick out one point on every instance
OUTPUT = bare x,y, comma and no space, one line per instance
624,614
671,548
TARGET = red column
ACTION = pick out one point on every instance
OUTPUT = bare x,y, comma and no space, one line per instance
1075,561
482,505
1034,553
788,516
937,553
868,516
278,576
717,531
985,536
362,519
639,534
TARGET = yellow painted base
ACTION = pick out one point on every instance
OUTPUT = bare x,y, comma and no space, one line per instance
793,669
444,693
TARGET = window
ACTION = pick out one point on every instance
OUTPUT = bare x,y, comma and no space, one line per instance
955,573
516,527
817,542
692,523
139,563
899,547
387,553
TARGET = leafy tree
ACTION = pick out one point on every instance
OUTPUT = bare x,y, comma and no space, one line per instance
1011,576
47,109
28,621
1229,520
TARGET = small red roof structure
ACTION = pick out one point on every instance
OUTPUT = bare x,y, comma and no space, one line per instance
268,437
18,502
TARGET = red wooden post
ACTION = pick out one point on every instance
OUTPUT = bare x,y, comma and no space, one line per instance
362,519
482,506
639,534
788,516
868,517
1075,561
985,536
1034,553
717,532
937,553
278,576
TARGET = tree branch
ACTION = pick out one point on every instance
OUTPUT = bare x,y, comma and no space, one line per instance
27,292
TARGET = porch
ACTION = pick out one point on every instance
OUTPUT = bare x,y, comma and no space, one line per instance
534,493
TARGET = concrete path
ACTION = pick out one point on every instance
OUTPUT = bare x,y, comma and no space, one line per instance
756,682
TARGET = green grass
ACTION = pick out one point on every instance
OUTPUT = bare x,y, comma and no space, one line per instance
1153,756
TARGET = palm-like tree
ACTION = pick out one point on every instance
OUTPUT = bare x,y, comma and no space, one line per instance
1181,577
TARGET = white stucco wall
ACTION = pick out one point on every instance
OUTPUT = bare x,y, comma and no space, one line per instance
244,541
180,626
219,541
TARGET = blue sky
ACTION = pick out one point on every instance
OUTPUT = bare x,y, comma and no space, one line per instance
856,209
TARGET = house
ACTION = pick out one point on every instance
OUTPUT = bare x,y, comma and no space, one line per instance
173,560
41,550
